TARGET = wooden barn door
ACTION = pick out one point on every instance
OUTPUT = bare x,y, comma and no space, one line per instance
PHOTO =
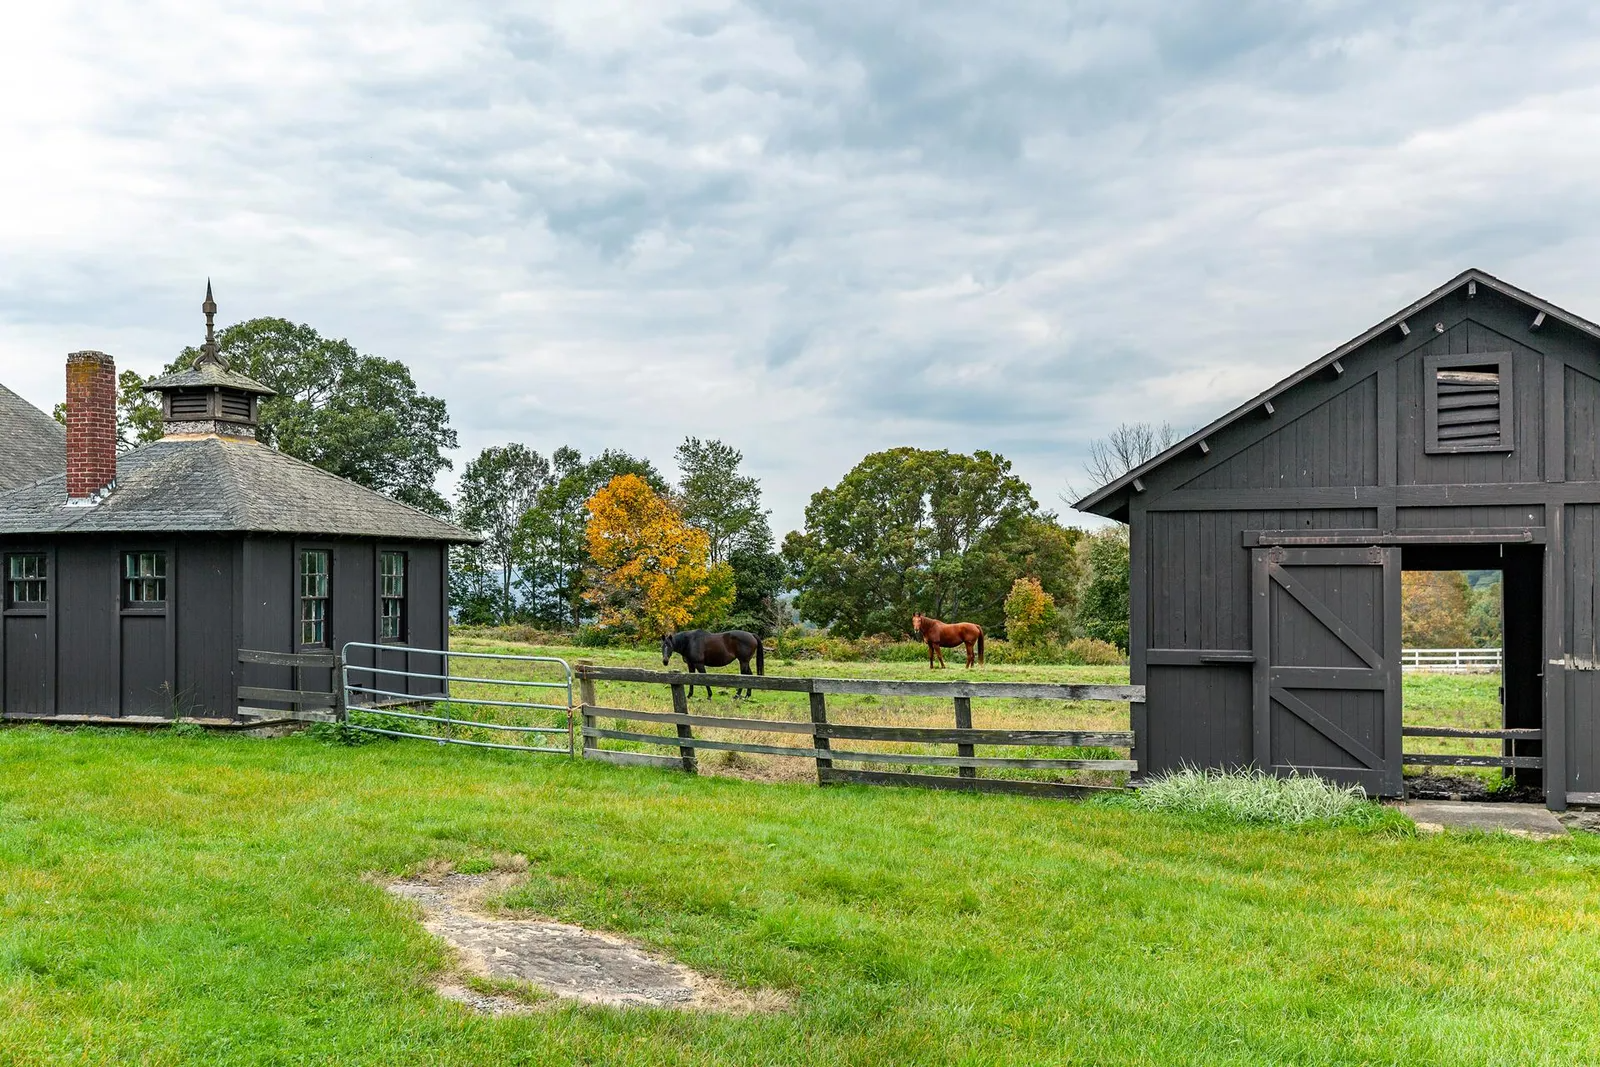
1326,637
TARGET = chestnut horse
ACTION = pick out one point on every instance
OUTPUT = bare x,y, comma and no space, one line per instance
700,650
940,635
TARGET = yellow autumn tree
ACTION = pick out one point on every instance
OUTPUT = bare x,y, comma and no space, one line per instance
650,570
1435,609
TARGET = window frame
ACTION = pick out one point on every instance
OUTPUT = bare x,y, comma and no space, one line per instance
144,607
301,599
28,607
403,636
1432,365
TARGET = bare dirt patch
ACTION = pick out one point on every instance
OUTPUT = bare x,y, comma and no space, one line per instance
565,961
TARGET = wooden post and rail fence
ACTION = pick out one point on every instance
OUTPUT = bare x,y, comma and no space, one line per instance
828,743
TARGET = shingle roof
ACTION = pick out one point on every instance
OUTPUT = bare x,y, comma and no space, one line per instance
212,484
204,375
32,444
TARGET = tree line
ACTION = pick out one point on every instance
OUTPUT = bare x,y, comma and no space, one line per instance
608,541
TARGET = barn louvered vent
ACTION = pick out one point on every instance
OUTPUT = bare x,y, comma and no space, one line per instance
235,405
1469,406
188,405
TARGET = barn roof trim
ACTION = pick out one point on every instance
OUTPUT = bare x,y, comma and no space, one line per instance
1104,501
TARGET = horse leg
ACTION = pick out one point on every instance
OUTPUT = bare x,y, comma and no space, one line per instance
744,668
930,655
969,655
941,656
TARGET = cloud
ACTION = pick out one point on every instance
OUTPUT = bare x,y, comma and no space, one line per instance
810,228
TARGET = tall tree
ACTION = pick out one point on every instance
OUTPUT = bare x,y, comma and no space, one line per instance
553,547
1103,606
497,489
360,417
760,577
909,531
652,573
714,496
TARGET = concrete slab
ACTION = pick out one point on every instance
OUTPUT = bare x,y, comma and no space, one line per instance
1524,820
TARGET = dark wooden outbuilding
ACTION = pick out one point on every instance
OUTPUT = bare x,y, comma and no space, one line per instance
1267,548
133,581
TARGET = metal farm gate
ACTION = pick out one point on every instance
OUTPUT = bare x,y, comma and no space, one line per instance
386,698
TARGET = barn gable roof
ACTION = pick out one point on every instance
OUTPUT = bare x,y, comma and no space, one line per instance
32,444
216,484
1110,498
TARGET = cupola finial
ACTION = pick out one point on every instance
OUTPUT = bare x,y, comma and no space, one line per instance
209,352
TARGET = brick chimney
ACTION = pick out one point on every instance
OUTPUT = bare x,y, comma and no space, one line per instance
91,425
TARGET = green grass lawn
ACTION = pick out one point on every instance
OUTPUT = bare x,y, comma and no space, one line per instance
168,899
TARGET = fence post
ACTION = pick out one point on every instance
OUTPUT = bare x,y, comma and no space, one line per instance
680,706
819,717
586,701
964,722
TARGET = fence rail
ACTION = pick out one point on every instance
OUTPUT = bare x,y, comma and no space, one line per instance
1451,660
306,705
822,734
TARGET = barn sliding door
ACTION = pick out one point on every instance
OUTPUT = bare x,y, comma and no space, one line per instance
1326,637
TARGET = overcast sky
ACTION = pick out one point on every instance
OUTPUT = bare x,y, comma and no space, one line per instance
812,229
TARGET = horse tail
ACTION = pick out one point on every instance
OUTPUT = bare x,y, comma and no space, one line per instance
980,646
761,656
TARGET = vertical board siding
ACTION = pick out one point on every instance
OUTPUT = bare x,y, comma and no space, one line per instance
1196,716
27,679
88,628
207,667
270,607
146,687
1582,628
425,607
1336,443
1582,430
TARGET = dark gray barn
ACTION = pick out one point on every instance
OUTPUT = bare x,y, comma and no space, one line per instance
1267,548
132,582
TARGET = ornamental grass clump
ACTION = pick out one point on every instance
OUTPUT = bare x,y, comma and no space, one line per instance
1249,796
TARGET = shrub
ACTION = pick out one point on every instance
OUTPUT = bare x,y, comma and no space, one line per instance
593,637
1091,652
1252,797
1030,616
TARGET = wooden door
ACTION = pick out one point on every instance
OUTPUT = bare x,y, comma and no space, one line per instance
1326,637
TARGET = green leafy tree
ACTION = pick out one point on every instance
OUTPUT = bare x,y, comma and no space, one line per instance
358,416
552,547
1483,619
497,489
1103,605
760,577
911,530
1031,617
715,497
474,596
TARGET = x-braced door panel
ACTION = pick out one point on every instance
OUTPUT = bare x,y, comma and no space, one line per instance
1326,637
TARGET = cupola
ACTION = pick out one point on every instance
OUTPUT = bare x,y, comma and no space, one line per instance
210,397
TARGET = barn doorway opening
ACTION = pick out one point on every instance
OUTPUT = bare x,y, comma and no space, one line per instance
1471,717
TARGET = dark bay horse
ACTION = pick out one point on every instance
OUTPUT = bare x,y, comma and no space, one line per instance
701,649
941,635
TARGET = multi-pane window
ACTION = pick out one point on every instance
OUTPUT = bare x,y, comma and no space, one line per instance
314,597
144,577
26,580
392,596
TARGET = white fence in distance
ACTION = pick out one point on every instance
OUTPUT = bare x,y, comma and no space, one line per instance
1451,660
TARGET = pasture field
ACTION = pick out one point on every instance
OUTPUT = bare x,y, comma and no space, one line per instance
172,899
